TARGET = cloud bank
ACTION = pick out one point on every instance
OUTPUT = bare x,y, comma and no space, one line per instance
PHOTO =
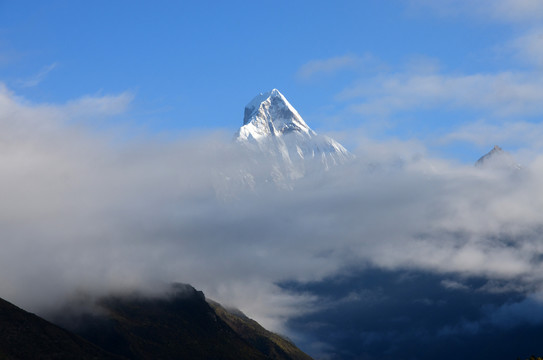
82,212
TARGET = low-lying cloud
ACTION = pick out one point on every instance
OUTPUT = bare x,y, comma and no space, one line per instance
81,212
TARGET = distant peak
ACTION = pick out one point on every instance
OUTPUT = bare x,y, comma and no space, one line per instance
270,114
497,158
273,129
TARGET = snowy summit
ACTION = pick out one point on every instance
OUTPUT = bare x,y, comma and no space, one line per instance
273,126
270,114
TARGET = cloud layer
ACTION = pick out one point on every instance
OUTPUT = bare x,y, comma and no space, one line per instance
82,212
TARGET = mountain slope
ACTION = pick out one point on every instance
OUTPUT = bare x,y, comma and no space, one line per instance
26,336
181,325
274,346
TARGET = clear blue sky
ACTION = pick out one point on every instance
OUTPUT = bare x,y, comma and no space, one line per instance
458,76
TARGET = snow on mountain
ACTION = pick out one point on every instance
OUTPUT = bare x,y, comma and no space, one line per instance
275,148
273,129
270,114
498,159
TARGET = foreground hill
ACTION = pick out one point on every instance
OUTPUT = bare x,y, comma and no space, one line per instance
181,325
26,336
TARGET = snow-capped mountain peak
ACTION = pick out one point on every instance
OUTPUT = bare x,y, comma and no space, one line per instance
273,130
270,114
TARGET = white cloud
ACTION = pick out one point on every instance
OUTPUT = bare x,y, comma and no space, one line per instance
37,78
501,94
323,67
453,285
98,105
528,47
509,11
519,11
483,133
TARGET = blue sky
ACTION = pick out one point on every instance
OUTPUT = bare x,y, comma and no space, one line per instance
409,69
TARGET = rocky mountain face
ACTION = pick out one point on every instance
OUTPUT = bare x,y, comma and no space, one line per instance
179,325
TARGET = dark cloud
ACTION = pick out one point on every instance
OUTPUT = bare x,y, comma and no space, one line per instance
408,314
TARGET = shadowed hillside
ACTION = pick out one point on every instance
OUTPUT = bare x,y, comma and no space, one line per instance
26,336
181,325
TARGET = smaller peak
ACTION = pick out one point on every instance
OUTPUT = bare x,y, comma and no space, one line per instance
498,158
270,113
